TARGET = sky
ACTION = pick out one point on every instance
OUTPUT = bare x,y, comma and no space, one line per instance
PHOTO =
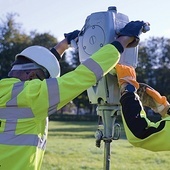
62,16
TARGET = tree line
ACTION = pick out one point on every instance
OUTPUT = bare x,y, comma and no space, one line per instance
153,56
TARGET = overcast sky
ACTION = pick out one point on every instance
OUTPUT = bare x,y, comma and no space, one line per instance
58,17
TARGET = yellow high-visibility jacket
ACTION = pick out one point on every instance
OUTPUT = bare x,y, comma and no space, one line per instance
25,107
140,131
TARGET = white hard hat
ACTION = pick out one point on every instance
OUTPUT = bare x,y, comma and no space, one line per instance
43,57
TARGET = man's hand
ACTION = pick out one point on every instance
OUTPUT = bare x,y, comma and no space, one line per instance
126,75
151,98
134,29
71,36
63,45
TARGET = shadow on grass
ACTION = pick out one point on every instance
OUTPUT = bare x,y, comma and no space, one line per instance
76,130
79,129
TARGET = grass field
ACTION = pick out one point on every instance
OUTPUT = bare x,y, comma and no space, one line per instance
71,146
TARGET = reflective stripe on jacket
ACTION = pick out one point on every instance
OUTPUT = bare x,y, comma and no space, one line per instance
25,107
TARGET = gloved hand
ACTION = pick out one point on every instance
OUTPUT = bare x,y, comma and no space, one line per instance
126,74
71,36
151,98
134,29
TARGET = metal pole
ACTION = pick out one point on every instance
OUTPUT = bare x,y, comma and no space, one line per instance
107,155
108,115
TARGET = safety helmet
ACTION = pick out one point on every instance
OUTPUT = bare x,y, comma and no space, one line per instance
43,57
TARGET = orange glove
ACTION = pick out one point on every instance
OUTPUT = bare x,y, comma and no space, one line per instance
126,74
151,98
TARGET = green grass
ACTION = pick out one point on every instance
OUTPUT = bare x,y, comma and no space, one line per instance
71,146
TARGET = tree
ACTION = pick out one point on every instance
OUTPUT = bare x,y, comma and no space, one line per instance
12,40
154,64
44,39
